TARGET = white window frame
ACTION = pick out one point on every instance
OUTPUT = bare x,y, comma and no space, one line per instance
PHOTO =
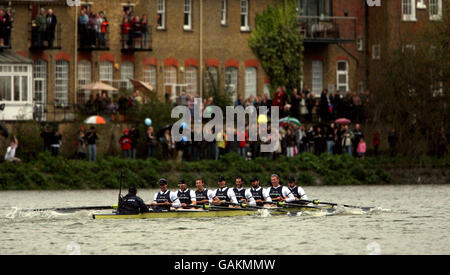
126,72
161,10
150,75
344,73
251,82
84,78
411,47
360,44
215,75
232,81
171,79
245,12
223,12
412,6
40,75
188,13
191,79
106,72
62,83
436,4
317,77
376,52
421,4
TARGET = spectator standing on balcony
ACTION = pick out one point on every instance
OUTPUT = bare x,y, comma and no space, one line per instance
103,29
91,26
144,27
126,142
125,33
41,25
134,135
137,32
2,27
6,24
98,27
51,22
82,27
91,138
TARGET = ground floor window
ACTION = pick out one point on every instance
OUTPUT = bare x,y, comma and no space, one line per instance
250,82
342,77
317,77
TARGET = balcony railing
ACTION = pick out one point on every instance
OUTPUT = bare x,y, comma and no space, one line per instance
90,40
136,40
327,29
45,39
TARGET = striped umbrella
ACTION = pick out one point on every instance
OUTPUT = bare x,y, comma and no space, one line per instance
291,120
95,120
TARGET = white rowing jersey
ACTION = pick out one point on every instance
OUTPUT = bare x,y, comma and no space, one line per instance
299,193
187,196
248,196
224,194
172,196
281,191
206,194
260,194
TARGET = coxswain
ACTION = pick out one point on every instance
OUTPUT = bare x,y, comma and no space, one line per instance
164,199
279,193
297,191
223,194
131,204
259,194
185,195
203,195
243,195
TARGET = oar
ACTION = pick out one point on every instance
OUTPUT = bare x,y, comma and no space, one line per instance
290,205
245,205
365,208
73,209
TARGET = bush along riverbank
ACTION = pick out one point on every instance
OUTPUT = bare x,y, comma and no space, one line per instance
48,173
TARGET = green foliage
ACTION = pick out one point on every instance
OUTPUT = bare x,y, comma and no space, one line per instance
278,44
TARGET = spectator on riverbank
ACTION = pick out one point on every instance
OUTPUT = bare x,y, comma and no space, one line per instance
11,151
46,135
393,141
81,143
126,143
92,138
56,142
152,143
134,136
376,142
361,150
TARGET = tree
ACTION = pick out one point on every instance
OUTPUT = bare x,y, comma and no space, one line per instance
278,44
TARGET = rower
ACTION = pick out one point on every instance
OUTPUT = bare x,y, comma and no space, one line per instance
131,204
278,192
164,199
243,195
297,191
223,193
186,196
259,194
203,195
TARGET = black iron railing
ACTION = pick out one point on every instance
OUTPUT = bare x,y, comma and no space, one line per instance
136,39
44,39
327,29
93,40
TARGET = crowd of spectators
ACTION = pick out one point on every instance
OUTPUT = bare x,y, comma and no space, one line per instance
6,20
135,32
92,29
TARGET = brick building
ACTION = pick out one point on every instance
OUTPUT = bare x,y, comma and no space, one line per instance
188,37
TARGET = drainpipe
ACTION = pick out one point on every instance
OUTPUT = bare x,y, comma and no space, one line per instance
201,49
75,57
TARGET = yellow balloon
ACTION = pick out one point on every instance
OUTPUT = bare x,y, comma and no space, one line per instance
262,119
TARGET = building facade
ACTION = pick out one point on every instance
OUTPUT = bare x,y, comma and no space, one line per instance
187,40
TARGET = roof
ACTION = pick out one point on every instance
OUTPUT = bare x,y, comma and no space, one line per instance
9,57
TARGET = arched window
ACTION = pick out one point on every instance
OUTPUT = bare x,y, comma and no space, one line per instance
250,82
190,78
126,73
150,76
170,81
106,72
84,77
317,77
231,82
62,83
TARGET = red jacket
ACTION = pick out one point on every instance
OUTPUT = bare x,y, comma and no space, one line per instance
125,141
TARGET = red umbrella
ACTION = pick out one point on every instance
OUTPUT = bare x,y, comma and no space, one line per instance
343,121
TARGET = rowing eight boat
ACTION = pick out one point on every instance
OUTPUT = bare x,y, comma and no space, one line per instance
197,213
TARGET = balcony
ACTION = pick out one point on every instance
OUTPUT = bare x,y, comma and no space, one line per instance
43,40
135,41
93,41
327,29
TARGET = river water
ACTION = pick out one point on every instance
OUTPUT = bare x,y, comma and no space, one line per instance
411,219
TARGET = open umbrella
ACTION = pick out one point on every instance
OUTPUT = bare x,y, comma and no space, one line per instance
141,85
95,120
98,86
342,121
290,120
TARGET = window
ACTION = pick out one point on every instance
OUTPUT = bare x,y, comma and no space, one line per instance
187,15
421,4
161,14
106,72
409,10
62,83
250,82
317,77
342,77
170,79
150,76
126,73
231,81
223,13
376,52
435,9
244,15
40,81
408,47
360,44
267,89
211,77
84,77
190,78
314,7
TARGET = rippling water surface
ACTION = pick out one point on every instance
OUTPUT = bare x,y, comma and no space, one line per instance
407,220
